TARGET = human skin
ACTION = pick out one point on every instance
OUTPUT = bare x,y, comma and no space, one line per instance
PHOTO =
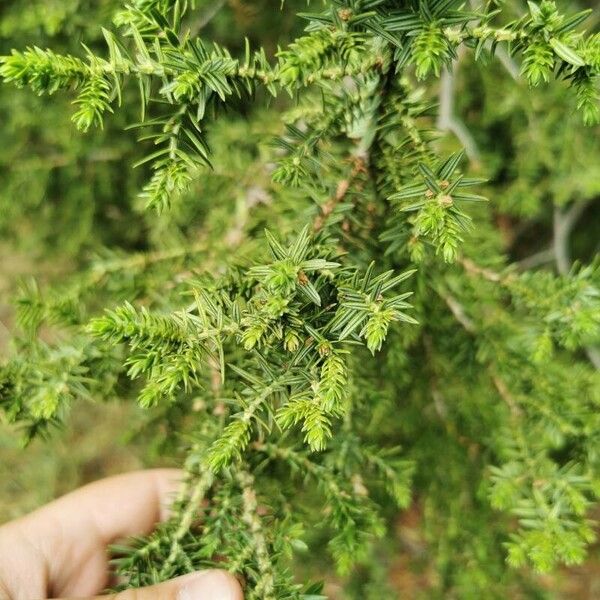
60,550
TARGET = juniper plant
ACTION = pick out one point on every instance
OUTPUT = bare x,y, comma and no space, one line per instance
324,313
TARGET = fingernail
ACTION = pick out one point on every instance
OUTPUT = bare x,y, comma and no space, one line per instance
209,585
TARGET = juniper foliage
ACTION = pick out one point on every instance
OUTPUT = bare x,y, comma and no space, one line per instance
321,308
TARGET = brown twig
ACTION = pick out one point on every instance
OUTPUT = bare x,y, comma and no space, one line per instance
358,166
506,395
474,269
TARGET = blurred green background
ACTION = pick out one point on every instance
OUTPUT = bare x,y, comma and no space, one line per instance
65,197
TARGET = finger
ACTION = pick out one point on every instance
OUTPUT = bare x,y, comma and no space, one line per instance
205,585
113,508
66,539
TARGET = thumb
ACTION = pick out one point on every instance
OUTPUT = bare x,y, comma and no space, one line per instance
204,585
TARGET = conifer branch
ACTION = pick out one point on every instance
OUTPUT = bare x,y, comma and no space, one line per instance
186,518
563,226
378,309
265,586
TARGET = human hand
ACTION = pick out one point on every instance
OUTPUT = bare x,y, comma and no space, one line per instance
60,549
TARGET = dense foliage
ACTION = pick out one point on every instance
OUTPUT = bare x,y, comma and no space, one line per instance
304,282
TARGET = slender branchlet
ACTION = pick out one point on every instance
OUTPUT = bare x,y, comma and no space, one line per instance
315,300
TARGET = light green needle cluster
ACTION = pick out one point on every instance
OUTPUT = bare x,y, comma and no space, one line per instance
314,298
